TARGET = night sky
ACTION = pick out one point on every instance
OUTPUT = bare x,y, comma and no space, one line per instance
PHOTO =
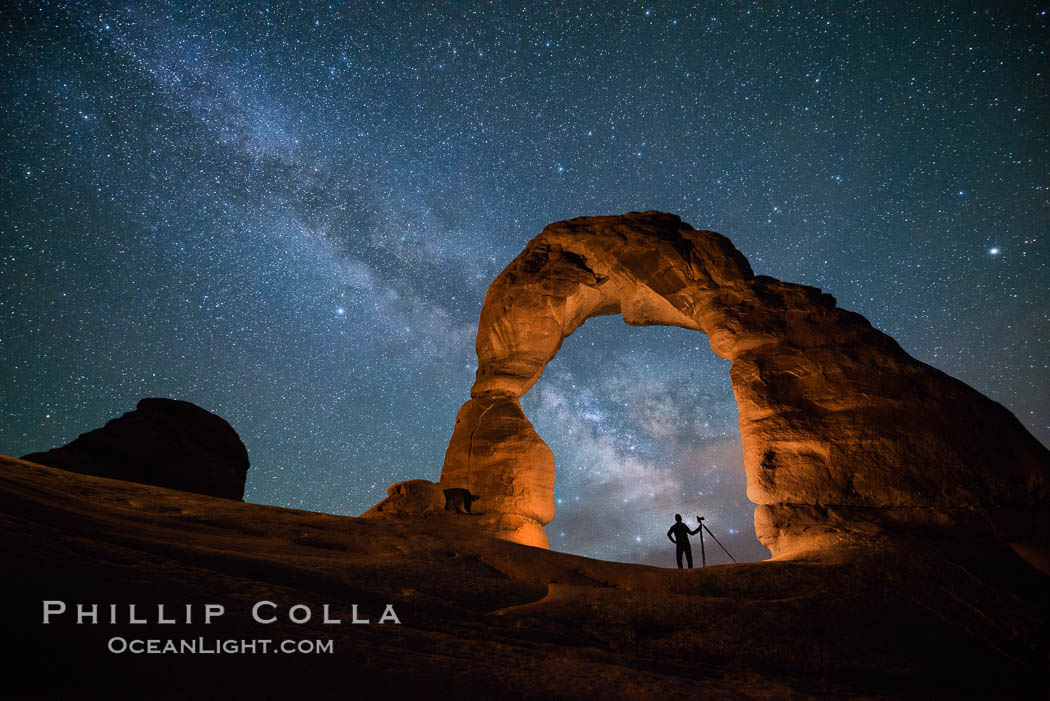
290,217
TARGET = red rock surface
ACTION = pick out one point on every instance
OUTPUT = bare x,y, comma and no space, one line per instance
484,618
166,442
844,434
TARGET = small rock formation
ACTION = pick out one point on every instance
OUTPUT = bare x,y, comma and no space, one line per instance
409,498
414,498
164,442
845,435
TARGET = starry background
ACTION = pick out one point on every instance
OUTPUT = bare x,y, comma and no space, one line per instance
290,217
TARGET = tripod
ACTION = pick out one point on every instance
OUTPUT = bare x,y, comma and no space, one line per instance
703,555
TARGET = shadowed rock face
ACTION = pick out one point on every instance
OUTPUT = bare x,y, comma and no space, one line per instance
164,442
845,435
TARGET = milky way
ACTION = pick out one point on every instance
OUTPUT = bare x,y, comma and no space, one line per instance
290,217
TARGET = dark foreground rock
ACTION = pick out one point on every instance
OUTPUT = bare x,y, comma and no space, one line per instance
165,442
484,618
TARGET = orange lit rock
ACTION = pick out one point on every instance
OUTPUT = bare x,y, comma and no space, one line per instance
496,454
409,498
844,434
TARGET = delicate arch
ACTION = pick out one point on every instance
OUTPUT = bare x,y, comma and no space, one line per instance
843,432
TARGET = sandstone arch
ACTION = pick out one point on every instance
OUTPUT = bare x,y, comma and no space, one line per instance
845,435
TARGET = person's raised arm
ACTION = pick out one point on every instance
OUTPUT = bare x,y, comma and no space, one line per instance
699,525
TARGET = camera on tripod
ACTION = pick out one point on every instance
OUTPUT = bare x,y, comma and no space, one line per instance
703,554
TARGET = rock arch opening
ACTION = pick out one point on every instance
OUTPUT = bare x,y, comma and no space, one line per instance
846,438
642,423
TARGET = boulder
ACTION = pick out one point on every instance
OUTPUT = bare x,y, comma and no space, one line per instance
409,498
164,442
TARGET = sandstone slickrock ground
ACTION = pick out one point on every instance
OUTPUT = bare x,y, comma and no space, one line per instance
166,442
484,618
846,437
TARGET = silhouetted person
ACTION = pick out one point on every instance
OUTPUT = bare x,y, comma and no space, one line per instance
679,535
